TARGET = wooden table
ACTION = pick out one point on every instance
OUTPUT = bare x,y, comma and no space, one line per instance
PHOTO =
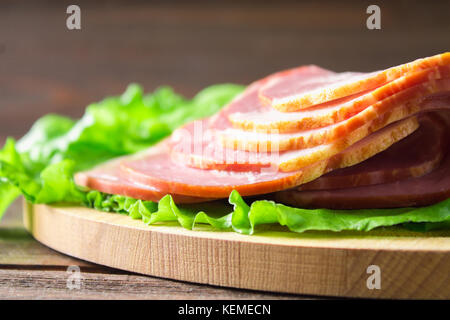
30,270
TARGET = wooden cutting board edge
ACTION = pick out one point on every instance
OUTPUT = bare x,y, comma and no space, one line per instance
327,264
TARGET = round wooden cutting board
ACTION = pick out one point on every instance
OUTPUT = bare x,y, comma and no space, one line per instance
387,264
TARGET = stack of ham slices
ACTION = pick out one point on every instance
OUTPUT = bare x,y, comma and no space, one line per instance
307,137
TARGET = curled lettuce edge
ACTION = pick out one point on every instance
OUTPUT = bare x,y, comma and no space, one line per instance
243,218
40,165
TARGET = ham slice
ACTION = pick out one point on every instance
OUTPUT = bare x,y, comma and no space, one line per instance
405,159
248,100
266,119
416,191
208,154
169,176
254,149
426,190
293,92
107,178
396,107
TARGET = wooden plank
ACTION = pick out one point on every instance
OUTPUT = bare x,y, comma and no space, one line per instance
44,284
29,252
413,265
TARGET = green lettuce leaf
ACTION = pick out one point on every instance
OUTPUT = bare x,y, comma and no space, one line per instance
118,125
8,193
243,218
53,184
41,165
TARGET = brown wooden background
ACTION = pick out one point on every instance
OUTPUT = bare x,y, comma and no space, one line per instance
190,44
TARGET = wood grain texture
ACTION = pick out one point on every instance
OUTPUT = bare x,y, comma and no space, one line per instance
30,270
328,264
22,283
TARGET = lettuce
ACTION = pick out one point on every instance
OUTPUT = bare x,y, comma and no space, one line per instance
53,184
41,166
242,218
118,125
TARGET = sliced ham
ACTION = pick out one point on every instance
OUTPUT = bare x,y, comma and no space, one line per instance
315,145
265,119
335,121
414,156
422,191
416,191
293,92
169,176
107,178
248,100
208,154
396,107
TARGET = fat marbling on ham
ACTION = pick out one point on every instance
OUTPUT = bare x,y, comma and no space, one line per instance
307,137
